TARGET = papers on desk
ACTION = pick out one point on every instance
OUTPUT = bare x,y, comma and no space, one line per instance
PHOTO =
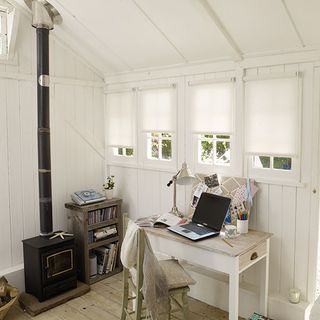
163,220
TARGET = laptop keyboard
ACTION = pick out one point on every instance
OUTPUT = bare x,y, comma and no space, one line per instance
196,229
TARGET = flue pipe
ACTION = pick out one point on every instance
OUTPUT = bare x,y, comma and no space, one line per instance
44,16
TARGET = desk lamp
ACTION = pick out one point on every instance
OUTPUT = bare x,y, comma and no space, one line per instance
183,177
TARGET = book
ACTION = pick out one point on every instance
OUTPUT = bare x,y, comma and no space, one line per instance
111,247
102,259
163,220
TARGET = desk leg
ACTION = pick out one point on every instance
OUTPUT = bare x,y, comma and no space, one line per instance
234,291
264,285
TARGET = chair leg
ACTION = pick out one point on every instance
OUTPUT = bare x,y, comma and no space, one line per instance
138,306
185,305
125,295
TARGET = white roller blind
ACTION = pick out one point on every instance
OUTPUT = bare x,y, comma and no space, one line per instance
120,119
158,109
272,116
211,107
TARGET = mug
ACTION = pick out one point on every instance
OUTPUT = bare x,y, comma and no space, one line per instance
242,226
230,231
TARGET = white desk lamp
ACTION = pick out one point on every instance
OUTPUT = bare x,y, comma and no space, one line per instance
183,177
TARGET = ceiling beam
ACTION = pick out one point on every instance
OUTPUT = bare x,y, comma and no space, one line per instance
160,31
286,9
237,53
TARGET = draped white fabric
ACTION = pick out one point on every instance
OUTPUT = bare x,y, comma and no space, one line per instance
158,109
212,107
121,119
272,116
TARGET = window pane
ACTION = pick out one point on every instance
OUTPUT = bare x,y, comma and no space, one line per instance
206,152
222,152
155,148
208,136
129,152
166,149
262,162
282,163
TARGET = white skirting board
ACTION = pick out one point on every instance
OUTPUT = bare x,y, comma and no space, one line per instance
213,290
15,276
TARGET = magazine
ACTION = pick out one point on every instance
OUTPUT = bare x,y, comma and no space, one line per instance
158,221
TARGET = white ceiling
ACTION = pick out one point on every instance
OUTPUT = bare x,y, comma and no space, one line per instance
126,35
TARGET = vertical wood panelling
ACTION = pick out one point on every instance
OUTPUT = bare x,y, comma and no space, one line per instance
15,170
75,164
275,226
28,125
5,224
287,244
126,187
262,207
149,192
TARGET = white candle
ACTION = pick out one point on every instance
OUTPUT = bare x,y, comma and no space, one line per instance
294,295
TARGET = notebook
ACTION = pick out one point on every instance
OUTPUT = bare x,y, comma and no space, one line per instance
207,219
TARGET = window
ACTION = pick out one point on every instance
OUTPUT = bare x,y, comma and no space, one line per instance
276,163
159,146
214,149
211,114
121,125
123,152
272,126
158,124
3,33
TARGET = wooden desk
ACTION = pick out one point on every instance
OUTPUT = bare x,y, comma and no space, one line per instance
217,255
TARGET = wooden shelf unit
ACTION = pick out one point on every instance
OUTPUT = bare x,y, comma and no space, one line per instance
81,227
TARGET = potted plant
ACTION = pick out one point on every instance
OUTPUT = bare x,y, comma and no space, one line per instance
108,187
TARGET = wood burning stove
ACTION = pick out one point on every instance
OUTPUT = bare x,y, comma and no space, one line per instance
49,266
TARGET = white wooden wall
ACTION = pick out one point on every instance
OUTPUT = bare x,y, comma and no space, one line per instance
76,132
288,210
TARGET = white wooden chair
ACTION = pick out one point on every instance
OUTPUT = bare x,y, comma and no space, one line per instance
178,282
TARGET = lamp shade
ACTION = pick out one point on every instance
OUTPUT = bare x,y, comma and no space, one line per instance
185,175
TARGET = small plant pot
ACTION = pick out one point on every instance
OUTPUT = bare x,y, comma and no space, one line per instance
109,194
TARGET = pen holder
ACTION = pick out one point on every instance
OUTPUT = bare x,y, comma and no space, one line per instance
242,226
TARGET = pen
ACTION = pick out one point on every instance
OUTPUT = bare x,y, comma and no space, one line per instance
227,242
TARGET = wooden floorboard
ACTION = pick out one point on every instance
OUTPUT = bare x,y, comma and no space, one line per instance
104,302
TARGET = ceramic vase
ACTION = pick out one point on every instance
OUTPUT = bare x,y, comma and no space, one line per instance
109,194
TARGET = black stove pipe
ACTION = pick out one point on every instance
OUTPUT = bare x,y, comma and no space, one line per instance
44,154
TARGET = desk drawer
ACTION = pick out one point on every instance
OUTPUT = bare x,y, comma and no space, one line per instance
255,253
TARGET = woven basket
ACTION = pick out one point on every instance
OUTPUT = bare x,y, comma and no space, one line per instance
4,309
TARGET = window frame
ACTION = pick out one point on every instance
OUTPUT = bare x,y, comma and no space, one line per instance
4,32
271,174
236,164
158,164
116,159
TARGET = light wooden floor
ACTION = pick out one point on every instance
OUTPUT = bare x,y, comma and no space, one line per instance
104,302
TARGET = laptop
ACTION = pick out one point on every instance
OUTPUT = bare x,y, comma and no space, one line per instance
208,218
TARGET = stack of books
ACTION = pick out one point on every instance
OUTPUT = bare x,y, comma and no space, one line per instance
106,258
101,215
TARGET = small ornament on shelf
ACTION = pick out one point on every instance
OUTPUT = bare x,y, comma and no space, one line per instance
108,187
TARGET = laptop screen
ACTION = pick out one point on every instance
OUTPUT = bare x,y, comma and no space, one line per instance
211,210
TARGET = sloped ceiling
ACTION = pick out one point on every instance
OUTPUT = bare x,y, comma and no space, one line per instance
127,35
